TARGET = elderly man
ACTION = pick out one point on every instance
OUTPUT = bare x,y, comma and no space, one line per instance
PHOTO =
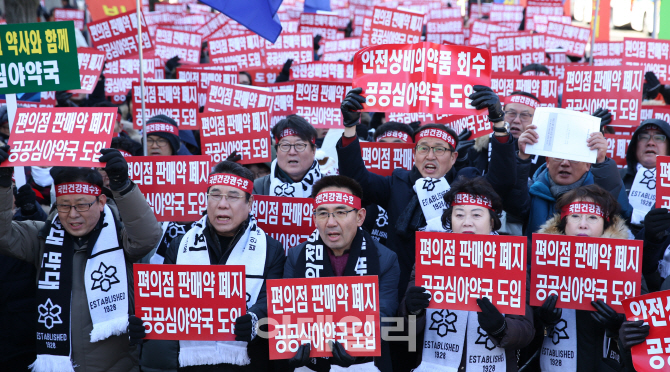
84,258
349,251
231,237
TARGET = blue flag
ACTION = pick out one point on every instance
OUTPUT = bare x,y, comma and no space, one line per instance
259,16
311,6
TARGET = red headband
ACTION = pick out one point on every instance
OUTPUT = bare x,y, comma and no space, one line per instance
468,199
336,197
161,127
395,134
77,188
518,98
437,133
231,180
582,208
290,132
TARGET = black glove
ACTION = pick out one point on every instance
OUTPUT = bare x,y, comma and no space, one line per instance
416,299
656,224
5,172
317,39
25,199
171,67
651,86
609,318
285,73
136,330
234,157
490,319
465,134
350,104
633,333
301,358
604,115
63,99
340,356
549,314
116,169
243,326
484,97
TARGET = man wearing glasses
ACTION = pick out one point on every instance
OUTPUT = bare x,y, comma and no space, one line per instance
339,247
162,136
226,235
295,170
84,257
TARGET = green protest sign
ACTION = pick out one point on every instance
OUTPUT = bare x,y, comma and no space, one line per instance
38,57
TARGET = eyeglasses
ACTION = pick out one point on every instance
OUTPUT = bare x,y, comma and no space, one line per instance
559,160
286,147
338,215
645,137
230,198
437,150
161,142
511,116
65,208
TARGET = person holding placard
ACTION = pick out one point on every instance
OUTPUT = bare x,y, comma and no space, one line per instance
473,207
84,260
347,250
226,235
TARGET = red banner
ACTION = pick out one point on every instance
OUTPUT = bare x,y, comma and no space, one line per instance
444,13
393,26
568,37
298,47
558,69
655,112
190,302
457,38
170,8
581,269
121,73
545,88
383,158
182,44
245,131
457,269
226,97
341,50
444,25
485,28
654,55
608,53
534,10
506,15
245,50
177,100
289,220
175,187
90,66
325,24
617,148
117,36
654,353
218,24
512,62
326,71
423,77
283,101
618,89
55,136
479,125
541,22
203,77
318,310
319,102
75,15
663,182
522,43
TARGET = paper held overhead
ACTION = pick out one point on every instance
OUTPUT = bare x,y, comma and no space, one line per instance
563,134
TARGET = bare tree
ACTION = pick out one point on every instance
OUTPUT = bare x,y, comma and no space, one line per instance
21,11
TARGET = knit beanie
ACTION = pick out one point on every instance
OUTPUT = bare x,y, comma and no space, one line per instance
165,127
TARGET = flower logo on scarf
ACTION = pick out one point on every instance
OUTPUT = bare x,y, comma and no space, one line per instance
443,322
559,332
104,277
649,179
49,314
484,339
382,217
285,189
429,184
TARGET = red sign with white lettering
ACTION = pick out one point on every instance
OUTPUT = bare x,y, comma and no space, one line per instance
571,38
383,158
173,43
319,102
90,66
393,26
608,53
117,36
245,50
545,88
177,100
513,62
75,15
341,50
326,71
226,97
289,220
654,353
297,46
663,182
617,148
654,55
121,73
202,77
245,131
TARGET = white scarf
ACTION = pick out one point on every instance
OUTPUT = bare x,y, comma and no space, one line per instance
249,251
559,348
302,189
642,196
430,192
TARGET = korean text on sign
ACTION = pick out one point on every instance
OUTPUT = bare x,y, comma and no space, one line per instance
654,55
296,46
56,136
319,102
175,186
583,269
422,77
568,37
75,15
117,36
654,353
225,97
382,158
190,302
177,100
545,88
38,57
617,148
319,310
478,125
202,77
663,182
245,50
289,220
393,26
182,44
246,132
91,62
457,269
121,73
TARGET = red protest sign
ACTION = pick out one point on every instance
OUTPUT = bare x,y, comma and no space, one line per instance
618,89
177,100
325,24
608,53
654,353
652,54
478,125
170,8
410,117
457,38
423,77
343,308
341,50
545,88
327,71
182,44
508,62
571,38
283,101
384,157
298,47
541,22
174,186
655,112
226,97
109,8
245,131
617,148
117,36
457,269
536,10
444,25
56,136
218,24
121,73
521,43
245,50
190,302
75,15
663,182
319,102
90,66
202,77
558,69
582,269
506,15
289,220
444,13
393,26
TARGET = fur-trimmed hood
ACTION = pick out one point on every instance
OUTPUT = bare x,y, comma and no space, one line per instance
618,229
482,143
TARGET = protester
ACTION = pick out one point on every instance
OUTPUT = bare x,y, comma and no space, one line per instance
473,207
231,237
80,256
4,125
349,251
295,170
244,78
27,207
162,136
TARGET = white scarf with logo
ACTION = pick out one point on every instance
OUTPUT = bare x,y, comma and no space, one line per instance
302,189
559,348
430,192
642,196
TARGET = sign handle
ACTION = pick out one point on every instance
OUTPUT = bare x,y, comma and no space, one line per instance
19,172
139,38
